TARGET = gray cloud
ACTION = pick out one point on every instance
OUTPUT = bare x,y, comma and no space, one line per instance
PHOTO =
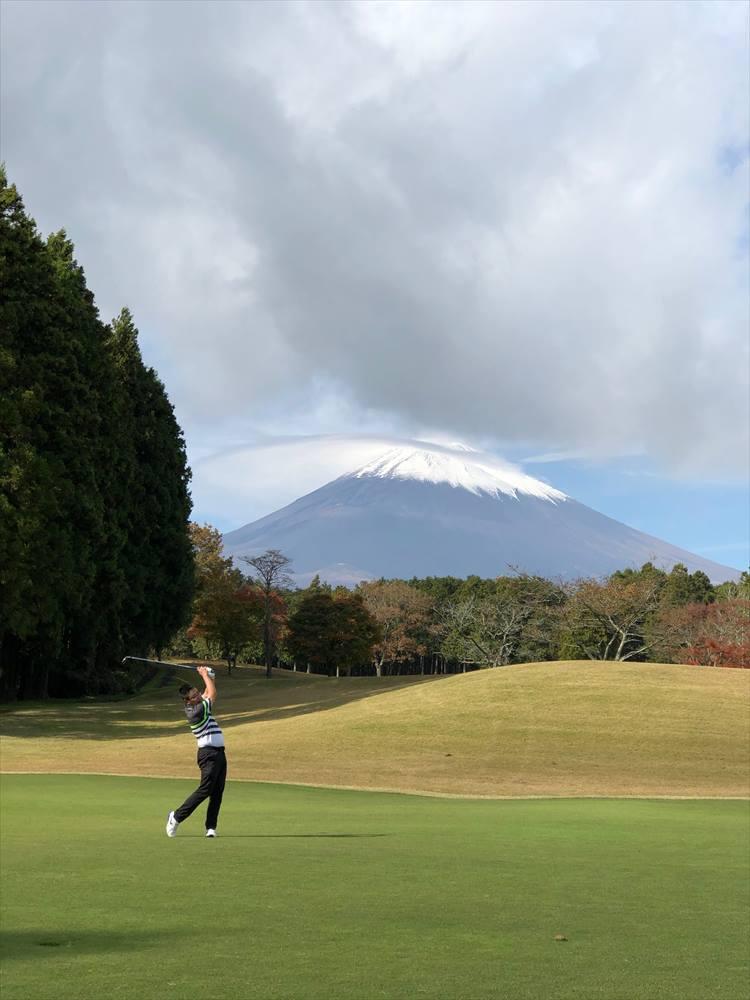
523,223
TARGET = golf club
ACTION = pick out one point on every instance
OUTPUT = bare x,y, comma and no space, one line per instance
166,666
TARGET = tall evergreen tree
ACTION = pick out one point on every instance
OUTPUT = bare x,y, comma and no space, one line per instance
166,511
682,587
153,490
94,500
90,446
45,574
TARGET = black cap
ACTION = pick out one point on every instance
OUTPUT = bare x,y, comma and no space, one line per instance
184,689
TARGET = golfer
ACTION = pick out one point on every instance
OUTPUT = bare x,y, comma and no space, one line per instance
212,760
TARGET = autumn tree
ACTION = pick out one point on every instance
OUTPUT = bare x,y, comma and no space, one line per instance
495,622
725,639
270,573
456,626
229,616
734,588
227,610
484,630
332,632
716,634
608,620
403,617
208,554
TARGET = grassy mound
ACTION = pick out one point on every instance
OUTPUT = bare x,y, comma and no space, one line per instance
546,729
330,894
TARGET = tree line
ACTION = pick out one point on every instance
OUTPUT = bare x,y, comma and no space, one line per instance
95,556
446,624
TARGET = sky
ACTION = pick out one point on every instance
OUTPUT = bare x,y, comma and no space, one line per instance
521,226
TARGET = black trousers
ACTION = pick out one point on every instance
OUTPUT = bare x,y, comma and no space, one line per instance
213,764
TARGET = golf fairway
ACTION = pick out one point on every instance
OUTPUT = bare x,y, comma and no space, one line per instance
321,893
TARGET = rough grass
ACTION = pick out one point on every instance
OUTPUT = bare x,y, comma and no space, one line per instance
333,895
540,729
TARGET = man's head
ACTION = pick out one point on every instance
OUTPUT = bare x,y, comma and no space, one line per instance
190,695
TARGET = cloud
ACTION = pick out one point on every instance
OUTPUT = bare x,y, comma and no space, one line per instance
252,479
519,223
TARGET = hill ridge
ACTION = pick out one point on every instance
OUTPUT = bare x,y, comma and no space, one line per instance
570,729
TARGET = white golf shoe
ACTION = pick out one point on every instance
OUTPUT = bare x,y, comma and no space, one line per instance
172,825
210,833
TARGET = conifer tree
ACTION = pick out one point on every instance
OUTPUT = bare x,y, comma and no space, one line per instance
44,572
89,447
94,500
155,491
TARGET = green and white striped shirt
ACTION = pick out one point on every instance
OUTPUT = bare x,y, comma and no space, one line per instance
205,728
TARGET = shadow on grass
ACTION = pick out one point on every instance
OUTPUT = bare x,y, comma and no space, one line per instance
278,836
49,943
146,715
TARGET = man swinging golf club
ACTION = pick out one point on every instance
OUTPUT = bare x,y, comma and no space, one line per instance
212,760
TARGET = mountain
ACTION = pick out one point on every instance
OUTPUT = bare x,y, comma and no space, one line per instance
452,511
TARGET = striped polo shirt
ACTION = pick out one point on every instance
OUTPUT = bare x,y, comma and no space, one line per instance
204,726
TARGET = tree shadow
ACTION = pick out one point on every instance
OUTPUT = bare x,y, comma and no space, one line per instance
48,943
147,715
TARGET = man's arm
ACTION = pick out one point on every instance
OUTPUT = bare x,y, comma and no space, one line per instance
208,680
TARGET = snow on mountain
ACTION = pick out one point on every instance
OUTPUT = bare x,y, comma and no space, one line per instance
440,510
477,475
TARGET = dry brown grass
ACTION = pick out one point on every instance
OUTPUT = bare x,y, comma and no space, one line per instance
557,729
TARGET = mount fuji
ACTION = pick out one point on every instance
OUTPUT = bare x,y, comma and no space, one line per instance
450,511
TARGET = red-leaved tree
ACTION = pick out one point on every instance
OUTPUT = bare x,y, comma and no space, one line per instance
716,635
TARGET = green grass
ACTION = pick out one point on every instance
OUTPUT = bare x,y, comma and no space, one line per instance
318,893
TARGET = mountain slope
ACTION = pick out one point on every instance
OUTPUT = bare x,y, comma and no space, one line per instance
438,512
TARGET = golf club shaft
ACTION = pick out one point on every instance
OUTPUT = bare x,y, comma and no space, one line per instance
166,666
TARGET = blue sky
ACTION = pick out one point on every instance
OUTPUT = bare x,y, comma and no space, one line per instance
518,225
709,518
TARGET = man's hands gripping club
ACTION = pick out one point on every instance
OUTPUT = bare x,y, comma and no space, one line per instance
208,680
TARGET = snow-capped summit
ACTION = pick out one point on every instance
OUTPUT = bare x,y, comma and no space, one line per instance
431,510
459,466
